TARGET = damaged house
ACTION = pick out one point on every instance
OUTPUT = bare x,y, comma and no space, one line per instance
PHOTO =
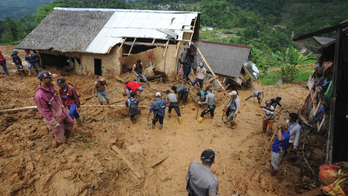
109,41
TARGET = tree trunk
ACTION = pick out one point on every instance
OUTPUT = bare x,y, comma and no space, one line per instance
292,71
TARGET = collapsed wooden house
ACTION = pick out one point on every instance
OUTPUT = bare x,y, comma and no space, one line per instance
228,62
109,41
327,100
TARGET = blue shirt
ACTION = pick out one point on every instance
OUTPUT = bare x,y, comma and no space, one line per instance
31,58
283,144
162,106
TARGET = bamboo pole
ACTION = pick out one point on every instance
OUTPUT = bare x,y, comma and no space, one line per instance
165,50
132,46
121,45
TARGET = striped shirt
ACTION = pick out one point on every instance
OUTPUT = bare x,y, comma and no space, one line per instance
269,112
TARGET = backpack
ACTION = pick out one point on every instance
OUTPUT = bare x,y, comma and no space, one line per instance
133,107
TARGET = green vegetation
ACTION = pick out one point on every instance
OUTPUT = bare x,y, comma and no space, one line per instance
15,9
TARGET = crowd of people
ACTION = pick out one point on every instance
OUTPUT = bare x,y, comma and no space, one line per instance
200,179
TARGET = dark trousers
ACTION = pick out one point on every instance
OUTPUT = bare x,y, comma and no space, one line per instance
174,106
286,148
156,118
210,109
184,96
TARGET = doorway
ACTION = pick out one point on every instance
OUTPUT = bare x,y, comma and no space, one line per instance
97,67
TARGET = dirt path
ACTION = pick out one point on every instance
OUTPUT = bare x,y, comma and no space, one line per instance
31,164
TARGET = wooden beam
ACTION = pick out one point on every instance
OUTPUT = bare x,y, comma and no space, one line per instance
130,165
194,25
165,50
246,70
121,45
322,31
211,70
153,41
211,79
146,43
177,49
132,46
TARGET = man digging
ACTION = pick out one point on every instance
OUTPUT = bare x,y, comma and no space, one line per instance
174,104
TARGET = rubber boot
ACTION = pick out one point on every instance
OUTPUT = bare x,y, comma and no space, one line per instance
161,126
29,72
78,122
180,120
169,115
153,126
200,119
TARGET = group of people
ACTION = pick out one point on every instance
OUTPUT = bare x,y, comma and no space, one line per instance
31,57
185,71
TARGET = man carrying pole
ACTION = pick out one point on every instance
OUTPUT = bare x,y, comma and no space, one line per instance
279,144
268,112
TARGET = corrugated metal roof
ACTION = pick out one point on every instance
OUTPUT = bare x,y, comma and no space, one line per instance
224,59
323,40
137,23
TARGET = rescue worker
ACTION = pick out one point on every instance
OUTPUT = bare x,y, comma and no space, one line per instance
233,106
279,144
201,73
268,111
17,61
133,86
210,100
132,104
258,95
187,70
3,63
31,58
182,91
51,107
203,94
275,102
158,107
200,179
139,71
174,104
99,86
70,99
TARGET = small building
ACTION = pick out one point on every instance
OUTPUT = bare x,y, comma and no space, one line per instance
109,41
226,60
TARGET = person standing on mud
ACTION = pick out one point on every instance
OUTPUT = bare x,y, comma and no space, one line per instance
233,106
258,95
132,104
182,91
268,112
17,61
275,102
70,99
295,131
3,63
133,86
279,145
158,107
52,108
99,86
139,71
210,100
31,58
200,179
187,70
174,104
201,73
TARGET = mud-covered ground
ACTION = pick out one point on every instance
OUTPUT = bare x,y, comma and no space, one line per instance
32,164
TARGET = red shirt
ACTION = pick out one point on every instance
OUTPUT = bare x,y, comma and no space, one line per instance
69,97
133,86
2,57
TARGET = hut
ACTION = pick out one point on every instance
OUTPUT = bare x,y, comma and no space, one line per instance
228,61
109,41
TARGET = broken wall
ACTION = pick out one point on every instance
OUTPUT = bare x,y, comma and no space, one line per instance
165,65
109,62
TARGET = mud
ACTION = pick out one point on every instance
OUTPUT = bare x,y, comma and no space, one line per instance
31,162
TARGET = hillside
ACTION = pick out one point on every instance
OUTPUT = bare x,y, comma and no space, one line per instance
15,9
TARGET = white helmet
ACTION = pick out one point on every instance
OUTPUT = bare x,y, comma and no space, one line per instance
158,94
201,64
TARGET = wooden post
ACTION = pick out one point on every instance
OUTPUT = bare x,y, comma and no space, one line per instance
194,25
211,70
334,96
130,165
264,154
121,45
132,47
177,49
165,50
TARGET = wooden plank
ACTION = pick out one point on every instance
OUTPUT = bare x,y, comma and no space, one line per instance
165,50
193,31
211,79
145,43
157,161
177,49
153,41
130,165
211,70
121,45
132,46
